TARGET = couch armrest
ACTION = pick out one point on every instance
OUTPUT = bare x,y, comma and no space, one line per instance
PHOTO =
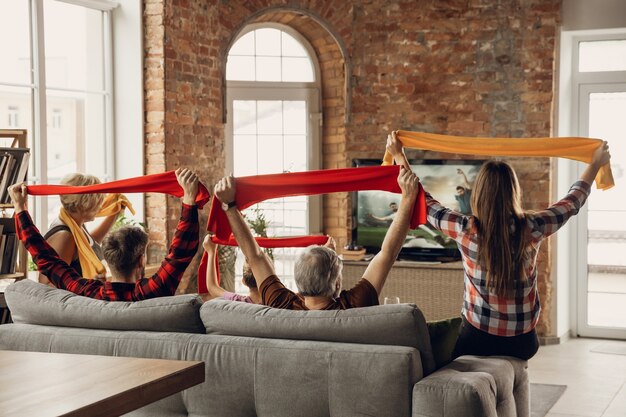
473,386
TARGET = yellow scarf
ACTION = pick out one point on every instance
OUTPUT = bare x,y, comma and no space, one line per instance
578,149
113,204
89,262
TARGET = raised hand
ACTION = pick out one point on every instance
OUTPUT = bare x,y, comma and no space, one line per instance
19,197
408,182
601,156
188,180
225,189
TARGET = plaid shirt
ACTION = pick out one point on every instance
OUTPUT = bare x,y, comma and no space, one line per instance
503,316
163,283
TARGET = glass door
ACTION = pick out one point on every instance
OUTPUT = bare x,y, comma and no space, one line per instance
602,243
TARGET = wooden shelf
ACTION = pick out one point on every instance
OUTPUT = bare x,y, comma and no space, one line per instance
16,275
19,141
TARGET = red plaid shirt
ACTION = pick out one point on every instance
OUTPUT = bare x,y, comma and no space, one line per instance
163,283
517,314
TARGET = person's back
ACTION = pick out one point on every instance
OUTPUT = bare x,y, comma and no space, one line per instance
499,244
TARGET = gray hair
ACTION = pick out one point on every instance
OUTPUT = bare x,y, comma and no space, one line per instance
316,271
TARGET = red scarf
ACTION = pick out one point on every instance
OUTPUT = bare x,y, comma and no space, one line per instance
156,183
254,189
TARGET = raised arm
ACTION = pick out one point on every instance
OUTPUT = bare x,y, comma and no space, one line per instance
98,232
261,266
183,247
466,183
60,274
211,273
378,269
548,221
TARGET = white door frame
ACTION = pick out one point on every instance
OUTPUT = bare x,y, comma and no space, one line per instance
584,329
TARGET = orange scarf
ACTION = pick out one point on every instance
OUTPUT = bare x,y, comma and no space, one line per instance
113,204
578,149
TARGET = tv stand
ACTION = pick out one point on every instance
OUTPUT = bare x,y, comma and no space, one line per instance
436,288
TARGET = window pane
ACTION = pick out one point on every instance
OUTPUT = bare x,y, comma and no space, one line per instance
295,153
244,45
74,52
240,68
291,47
15,108
295,117
14,43
270,117
244,117
270,159
267,69
297,69
602,56
267,42
606,121
76,134
244,148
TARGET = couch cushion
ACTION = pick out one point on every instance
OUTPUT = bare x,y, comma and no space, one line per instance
474,386
34,303
400,325
443,336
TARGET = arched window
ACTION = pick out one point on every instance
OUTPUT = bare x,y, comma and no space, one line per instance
273,125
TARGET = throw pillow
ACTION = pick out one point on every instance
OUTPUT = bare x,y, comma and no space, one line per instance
443,336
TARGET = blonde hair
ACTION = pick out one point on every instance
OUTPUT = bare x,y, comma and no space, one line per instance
81,203
502,251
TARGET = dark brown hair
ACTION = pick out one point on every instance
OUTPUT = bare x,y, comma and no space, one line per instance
123,248
502,247
248,276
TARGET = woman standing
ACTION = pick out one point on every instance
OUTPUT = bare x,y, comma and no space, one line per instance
499,244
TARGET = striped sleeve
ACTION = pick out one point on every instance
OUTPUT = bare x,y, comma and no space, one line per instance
546,222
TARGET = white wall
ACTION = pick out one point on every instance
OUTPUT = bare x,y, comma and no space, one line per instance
593,14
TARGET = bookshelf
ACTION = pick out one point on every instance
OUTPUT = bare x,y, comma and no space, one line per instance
12,140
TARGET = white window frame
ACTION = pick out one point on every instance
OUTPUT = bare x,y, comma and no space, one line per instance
123,72
572,279
262,90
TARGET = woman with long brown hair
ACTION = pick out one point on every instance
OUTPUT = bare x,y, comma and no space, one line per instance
499,243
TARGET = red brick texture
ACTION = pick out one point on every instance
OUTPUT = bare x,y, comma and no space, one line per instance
466,67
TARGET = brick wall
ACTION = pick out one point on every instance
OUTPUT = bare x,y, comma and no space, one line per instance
471,67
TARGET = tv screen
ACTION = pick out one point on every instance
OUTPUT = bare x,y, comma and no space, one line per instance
448,181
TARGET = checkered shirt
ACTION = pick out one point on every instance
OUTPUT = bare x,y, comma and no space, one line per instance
503,316
163,283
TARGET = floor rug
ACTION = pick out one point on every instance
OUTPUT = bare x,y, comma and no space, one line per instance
543,397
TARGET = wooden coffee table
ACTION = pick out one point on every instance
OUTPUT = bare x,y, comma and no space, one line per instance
61,384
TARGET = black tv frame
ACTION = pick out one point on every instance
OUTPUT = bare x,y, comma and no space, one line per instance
410,254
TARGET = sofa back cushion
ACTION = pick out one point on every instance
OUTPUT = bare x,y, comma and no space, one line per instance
34,303
399,325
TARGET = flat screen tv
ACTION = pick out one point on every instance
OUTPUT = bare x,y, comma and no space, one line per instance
373,211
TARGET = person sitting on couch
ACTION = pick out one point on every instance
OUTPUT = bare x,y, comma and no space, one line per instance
213,286
247,278
318,269
124,251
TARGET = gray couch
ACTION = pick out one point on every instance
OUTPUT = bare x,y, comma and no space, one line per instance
262,361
